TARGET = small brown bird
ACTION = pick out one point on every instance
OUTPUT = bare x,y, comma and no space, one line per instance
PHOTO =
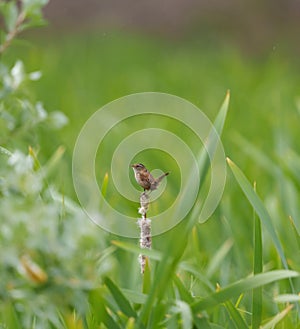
145,179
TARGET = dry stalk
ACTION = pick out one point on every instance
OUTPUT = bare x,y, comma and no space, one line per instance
145,229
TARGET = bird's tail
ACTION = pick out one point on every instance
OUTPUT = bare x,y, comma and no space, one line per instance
159,179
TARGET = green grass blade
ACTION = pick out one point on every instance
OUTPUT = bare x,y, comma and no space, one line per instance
258,252
260,158
157,316
185,295
196,243
130,324
259,208
184,310
9,317
104,185
109,321
36,163
296,232
271,324
235,315
195,272
218,257
213,147
292,164
287,298
134,297
103,190
283,170
52,163
257,268
99,310
107,252
156,255
202,323
183,292
213,151
153,254
180,233
240,287
221,117
120,299
258,248
213,138
147,278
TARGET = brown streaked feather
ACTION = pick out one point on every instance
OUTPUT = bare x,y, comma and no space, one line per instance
144,177
157,181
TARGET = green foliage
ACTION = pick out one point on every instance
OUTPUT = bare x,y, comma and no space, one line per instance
18,17
43,242
59,271
257,268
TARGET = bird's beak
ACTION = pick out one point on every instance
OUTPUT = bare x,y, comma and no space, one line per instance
132,165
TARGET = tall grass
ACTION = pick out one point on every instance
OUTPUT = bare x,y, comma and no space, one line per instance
237,270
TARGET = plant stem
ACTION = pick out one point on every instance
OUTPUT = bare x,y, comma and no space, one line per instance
145,228
13,33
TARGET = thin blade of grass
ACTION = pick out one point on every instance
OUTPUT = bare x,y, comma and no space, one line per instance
262,213
100,313
68,203
287,298
195,272
36,163
153,254
157,316
103,190
290,199
235,315
253,152
9,317
156,255
180,233
51,164
219,122
130,323
107,252
183,292
183,309
260,209
277,318
185,295
204,160
202,323
292,163
283,170
120,299
147,278
218,257
241,286
109,321
297,236
134,297
104,185
257,268
195,240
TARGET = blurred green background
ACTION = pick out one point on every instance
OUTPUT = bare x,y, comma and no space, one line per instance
93,52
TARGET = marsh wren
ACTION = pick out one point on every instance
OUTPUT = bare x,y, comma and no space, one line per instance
145,179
